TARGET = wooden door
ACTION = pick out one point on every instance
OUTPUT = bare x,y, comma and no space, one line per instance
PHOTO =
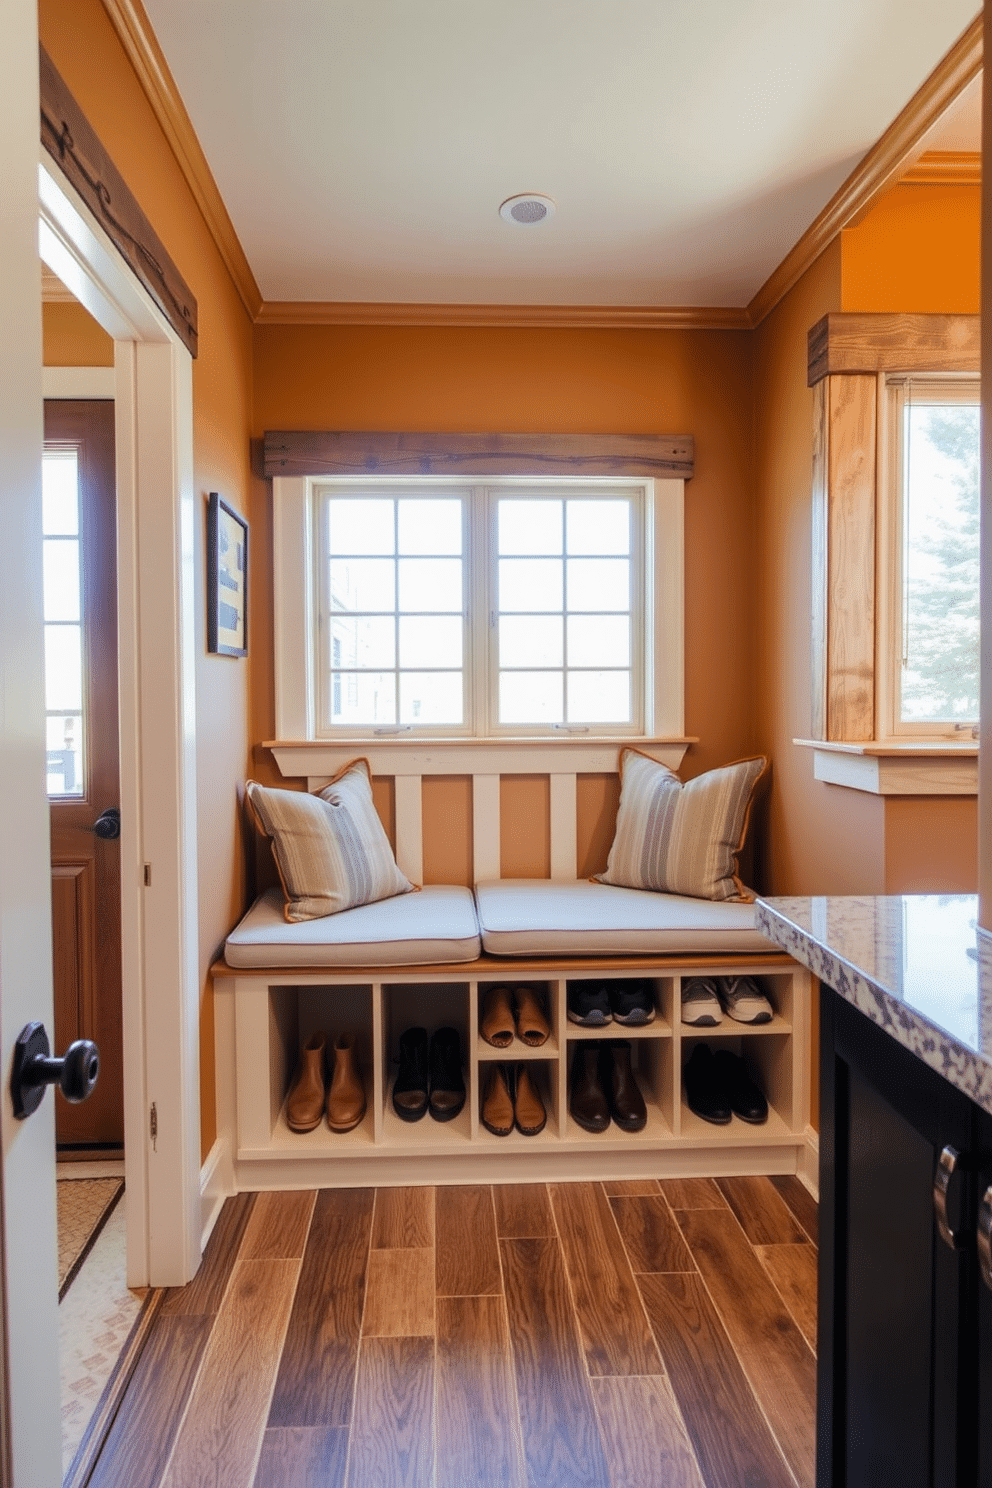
83,755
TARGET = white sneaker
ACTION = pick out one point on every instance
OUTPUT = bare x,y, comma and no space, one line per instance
700,1002
744,1000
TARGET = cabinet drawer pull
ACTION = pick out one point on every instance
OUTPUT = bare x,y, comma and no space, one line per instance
984,1237
947,1165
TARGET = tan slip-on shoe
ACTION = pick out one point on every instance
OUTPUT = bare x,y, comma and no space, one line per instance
305,1102
496,1024
497,1102
528,1108
346,1096
532,1026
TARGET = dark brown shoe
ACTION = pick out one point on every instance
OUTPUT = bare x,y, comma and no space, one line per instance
305,1102
497,1102
528,1107
346,1096
586,1101
623,1094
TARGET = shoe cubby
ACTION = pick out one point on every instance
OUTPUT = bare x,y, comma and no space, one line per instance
271,1014
547,993
430,1005
546,1076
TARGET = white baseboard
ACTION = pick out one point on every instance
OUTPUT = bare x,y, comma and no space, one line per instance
216,1185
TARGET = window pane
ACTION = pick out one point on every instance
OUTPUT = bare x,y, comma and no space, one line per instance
61,566
364,526
363,584
530,697
63,668
598,584
431,697
65,754
599,697
59,494
431,584
529,583
431,641
598,527
363,641
530,526
940,670
598,640
530,640
433,526
363,698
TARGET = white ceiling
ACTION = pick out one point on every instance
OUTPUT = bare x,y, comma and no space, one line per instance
363,147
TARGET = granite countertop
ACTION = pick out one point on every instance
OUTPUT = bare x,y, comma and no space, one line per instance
915,964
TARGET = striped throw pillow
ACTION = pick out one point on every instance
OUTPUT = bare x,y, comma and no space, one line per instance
330,848
681,839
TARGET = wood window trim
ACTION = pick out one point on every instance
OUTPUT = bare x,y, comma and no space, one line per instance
848,354
348,452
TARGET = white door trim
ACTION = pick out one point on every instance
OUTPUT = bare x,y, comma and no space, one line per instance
156,619
78,382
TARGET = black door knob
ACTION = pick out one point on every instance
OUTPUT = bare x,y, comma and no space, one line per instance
108,823
75,1074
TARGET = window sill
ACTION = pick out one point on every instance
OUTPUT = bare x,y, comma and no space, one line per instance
392,755
916,767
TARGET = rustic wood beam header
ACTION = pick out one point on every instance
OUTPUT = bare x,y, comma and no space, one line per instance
852,343
68,137
292,453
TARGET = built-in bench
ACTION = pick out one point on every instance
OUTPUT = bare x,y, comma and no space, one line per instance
429,958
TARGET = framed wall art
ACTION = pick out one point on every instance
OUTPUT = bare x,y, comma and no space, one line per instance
227,579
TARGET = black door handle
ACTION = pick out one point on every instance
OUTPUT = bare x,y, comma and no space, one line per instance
75,1074
108,823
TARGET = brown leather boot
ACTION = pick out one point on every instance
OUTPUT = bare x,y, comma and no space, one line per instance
528,1107
497,1102
496,1023
346,1096
305,1102
532,1026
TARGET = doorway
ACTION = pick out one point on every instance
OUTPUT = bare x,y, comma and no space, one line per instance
79,513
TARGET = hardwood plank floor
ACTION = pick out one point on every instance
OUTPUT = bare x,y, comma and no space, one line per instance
589,1335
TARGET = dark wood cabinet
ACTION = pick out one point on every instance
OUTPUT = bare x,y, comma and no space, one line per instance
905,1333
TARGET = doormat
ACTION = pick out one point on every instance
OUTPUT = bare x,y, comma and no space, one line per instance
84,1206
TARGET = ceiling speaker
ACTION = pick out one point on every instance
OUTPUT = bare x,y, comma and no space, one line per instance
527,208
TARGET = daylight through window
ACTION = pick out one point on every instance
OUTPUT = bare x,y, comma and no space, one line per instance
480,609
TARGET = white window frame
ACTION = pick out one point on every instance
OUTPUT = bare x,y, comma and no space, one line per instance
295,598
893,391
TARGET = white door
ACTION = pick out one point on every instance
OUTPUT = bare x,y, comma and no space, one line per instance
27,1184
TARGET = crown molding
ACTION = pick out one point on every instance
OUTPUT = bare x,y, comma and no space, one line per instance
879,168
135,32
577,317
946,168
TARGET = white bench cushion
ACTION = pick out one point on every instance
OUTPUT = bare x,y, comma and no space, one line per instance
536,917
435,925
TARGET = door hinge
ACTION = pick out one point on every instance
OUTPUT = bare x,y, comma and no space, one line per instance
148,875
153,1126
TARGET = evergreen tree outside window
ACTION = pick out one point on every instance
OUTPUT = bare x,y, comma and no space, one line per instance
937,548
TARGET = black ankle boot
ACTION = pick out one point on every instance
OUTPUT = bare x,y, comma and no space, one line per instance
446,1079
410,1089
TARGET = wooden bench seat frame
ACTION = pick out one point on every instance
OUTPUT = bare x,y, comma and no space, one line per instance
262,1015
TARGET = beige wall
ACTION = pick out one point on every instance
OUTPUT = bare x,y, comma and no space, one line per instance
81,42
555,380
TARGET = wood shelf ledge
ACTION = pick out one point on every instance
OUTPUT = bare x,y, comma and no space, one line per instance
897,767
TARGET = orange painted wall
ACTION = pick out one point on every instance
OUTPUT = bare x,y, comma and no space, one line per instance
84,47
556,380
917,251
72,337
819,839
